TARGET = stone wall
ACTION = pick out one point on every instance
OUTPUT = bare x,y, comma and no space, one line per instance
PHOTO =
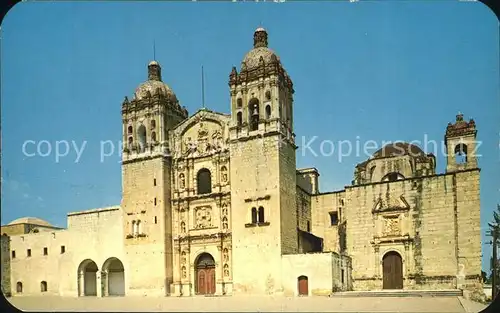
5,265
94,234
323,205
431,222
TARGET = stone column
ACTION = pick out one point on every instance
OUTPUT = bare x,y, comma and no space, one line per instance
81,284
377,261
99,284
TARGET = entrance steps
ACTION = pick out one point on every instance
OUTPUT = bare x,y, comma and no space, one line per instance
400,293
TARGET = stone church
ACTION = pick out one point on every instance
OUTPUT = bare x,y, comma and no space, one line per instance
213,204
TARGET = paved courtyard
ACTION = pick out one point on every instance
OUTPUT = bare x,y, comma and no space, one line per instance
247,304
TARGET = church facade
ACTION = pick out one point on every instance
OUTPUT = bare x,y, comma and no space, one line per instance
213,204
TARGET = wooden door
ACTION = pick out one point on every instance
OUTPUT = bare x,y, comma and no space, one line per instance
393,271
205,281
303,286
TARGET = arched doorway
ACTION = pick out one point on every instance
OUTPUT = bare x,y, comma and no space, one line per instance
303,285
113,278
205,274
392,265
87,278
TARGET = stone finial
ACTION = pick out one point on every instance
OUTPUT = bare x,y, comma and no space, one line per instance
460,116
260,38
154,71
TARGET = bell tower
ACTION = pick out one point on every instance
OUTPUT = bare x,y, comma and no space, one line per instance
263,169
146,172
461,146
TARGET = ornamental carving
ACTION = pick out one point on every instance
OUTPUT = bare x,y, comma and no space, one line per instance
203,217
226,270
392,226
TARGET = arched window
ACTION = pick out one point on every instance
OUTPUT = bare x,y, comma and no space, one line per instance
139,227
261,215
239,103
461,153
43,286
268,111
239,118
204,181
130,130
153,136
153,124
19,287
253,110
254,215
223,174
182,181
130,142
141,135
372,169
394,176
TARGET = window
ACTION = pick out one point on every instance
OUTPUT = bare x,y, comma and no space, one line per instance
254,215
155,201
153,136
13,254
19,287
253,109
130,142
461,153
239,103
141,134
130,130
268,112
156,220
154,181
394,176
153,124
268,95
43,286
334,218
342,276
45,251
261,215
28,252
239,118
63,249
204,181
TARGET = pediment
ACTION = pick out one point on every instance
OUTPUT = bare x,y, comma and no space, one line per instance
391,203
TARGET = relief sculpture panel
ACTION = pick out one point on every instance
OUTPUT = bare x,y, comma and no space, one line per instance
203,217
392,226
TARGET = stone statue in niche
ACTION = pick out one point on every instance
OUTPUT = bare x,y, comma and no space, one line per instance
223,174
203,217
184,272
224,209
392,227
183,257
226,270
225,255
224,223
182,181
183,227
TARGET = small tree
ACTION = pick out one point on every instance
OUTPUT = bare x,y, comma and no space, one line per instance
494,232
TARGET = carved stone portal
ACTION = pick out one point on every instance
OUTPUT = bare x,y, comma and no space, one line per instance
203,217
392,226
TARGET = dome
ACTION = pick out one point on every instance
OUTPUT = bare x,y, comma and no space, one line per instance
259,50
154,87
30,220
252,58
398,149
154,84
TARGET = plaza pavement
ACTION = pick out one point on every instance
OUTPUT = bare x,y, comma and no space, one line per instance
247,304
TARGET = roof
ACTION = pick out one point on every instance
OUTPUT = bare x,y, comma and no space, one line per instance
398,149
30,220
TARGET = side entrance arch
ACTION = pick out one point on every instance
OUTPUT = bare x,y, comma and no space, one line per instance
113,278
392,265
303,285
87,278
205,274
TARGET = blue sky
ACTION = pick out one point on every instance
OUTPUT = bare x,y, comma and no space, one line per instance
381,71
